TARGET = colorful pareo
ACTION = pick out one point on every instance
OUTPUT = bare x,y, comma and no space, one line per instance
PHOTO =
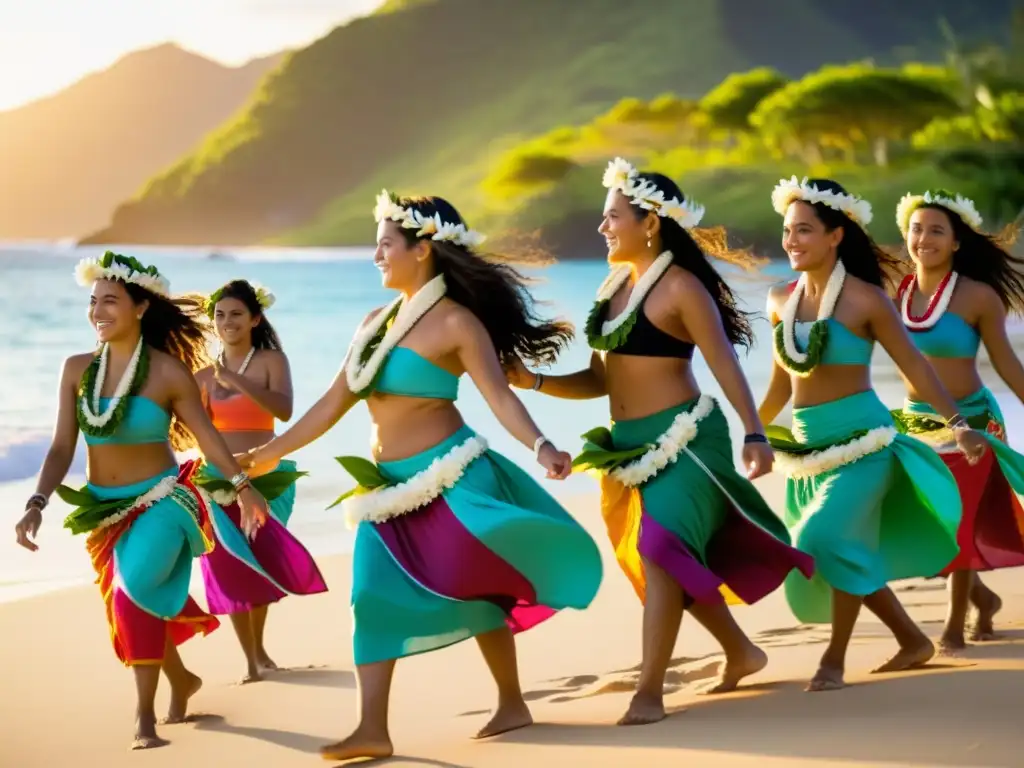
141,540
991,533
240,574
671,495
455,542
870,504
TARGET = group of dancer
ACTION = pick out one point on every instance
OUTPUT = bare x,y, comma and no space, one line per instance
455,541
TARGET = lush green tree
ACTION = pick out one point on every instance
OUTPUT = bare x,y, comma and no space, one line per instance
730,104
854,106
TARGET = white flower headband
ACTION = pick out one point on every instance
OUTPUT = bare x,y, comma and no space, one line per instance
409,218
127,269
624,177
960,205
786,192
264,298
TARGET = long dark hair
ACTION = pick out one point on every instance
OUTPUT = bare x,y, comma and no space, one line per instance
689,251
986,258
861,255
263,334
492,289
179,327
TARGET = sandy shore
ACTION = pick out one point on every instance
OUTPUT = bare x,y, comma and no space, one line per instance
67,701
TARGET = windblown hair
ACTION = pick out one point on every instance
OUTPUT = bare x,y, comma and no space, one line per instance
179,327
861,255
987,259
263,335
690,250
493,290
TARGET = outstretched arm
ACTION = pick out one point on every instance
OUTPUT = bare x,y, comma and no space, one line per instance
700,316
992,327
276,398
585,384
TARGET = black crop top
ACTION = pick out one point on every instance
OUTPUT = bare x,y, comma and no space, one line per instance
645,339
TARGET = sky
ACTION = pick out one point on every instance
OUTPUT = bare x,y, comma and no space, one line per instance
46,45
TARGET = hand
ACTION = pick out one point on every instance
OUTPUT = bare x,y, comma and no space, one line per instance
757,459
519,376
252,458
557,463
971,443
254,511
29,526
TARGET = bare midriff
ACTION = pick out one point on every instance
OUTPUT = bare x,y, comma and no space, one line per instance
830,382
641,386
404,426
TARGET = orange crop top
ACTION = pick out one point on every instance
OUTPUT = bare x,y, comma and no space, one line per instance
238,413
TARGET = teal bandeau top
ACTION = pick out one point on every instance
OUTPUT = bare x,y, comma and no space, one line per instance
144,422
951,336
409,374
844,347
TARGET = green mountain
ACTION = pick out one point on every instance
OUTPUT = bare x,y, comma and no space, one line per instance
68,159
426,96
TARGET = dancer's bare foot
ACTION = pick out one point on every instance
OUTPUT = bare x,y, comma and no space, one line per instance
264,660
359,745
915,656
181,691
508,717
952,644
983,629
643,710
145,735
733,670
826,679
251,676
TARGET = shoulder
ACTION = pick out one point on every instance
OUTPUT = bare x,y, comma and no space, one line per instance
980,298
777,296
273,358
457,319
169,368
866,297
75,365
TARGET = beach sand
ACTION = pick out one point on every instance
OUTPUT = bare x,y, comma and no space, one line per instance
67,701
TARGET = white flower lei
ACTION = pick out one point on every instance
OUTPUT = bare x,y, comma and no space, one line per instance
92,413
837,456
88,271
160,491
408,218
621,175
419,490
960,205
941,304
360,377
640,290
786,192
669,445
827,305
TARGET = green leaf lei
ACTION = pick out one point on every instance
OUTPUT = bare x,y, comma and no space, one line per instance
817,340
614,339
370,348
86,388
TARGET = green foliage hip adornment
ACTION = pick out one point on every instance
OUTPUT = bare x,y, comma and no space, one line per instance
89,511
86,388
600,455
366,474
816,343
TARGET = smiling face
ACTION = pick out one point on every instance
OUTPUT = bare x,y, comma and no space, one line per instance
233,321
805,238
399,263
112,312
625,234
930,239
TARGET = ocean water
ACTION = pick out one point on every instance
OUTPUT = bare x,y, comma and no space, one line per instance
321,297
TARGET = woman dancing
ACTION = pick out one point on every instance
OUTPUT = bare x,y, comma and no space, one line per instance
963,285
145,518
871,505
453,540
687,529
245,389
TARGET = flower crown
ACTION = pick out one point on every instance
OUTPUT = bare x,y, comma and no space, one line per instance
387,207
624,177
264,297
127,269
786,192
960,205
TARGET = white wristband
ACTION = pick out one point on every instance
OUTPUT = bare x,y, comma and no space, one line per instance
538,444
